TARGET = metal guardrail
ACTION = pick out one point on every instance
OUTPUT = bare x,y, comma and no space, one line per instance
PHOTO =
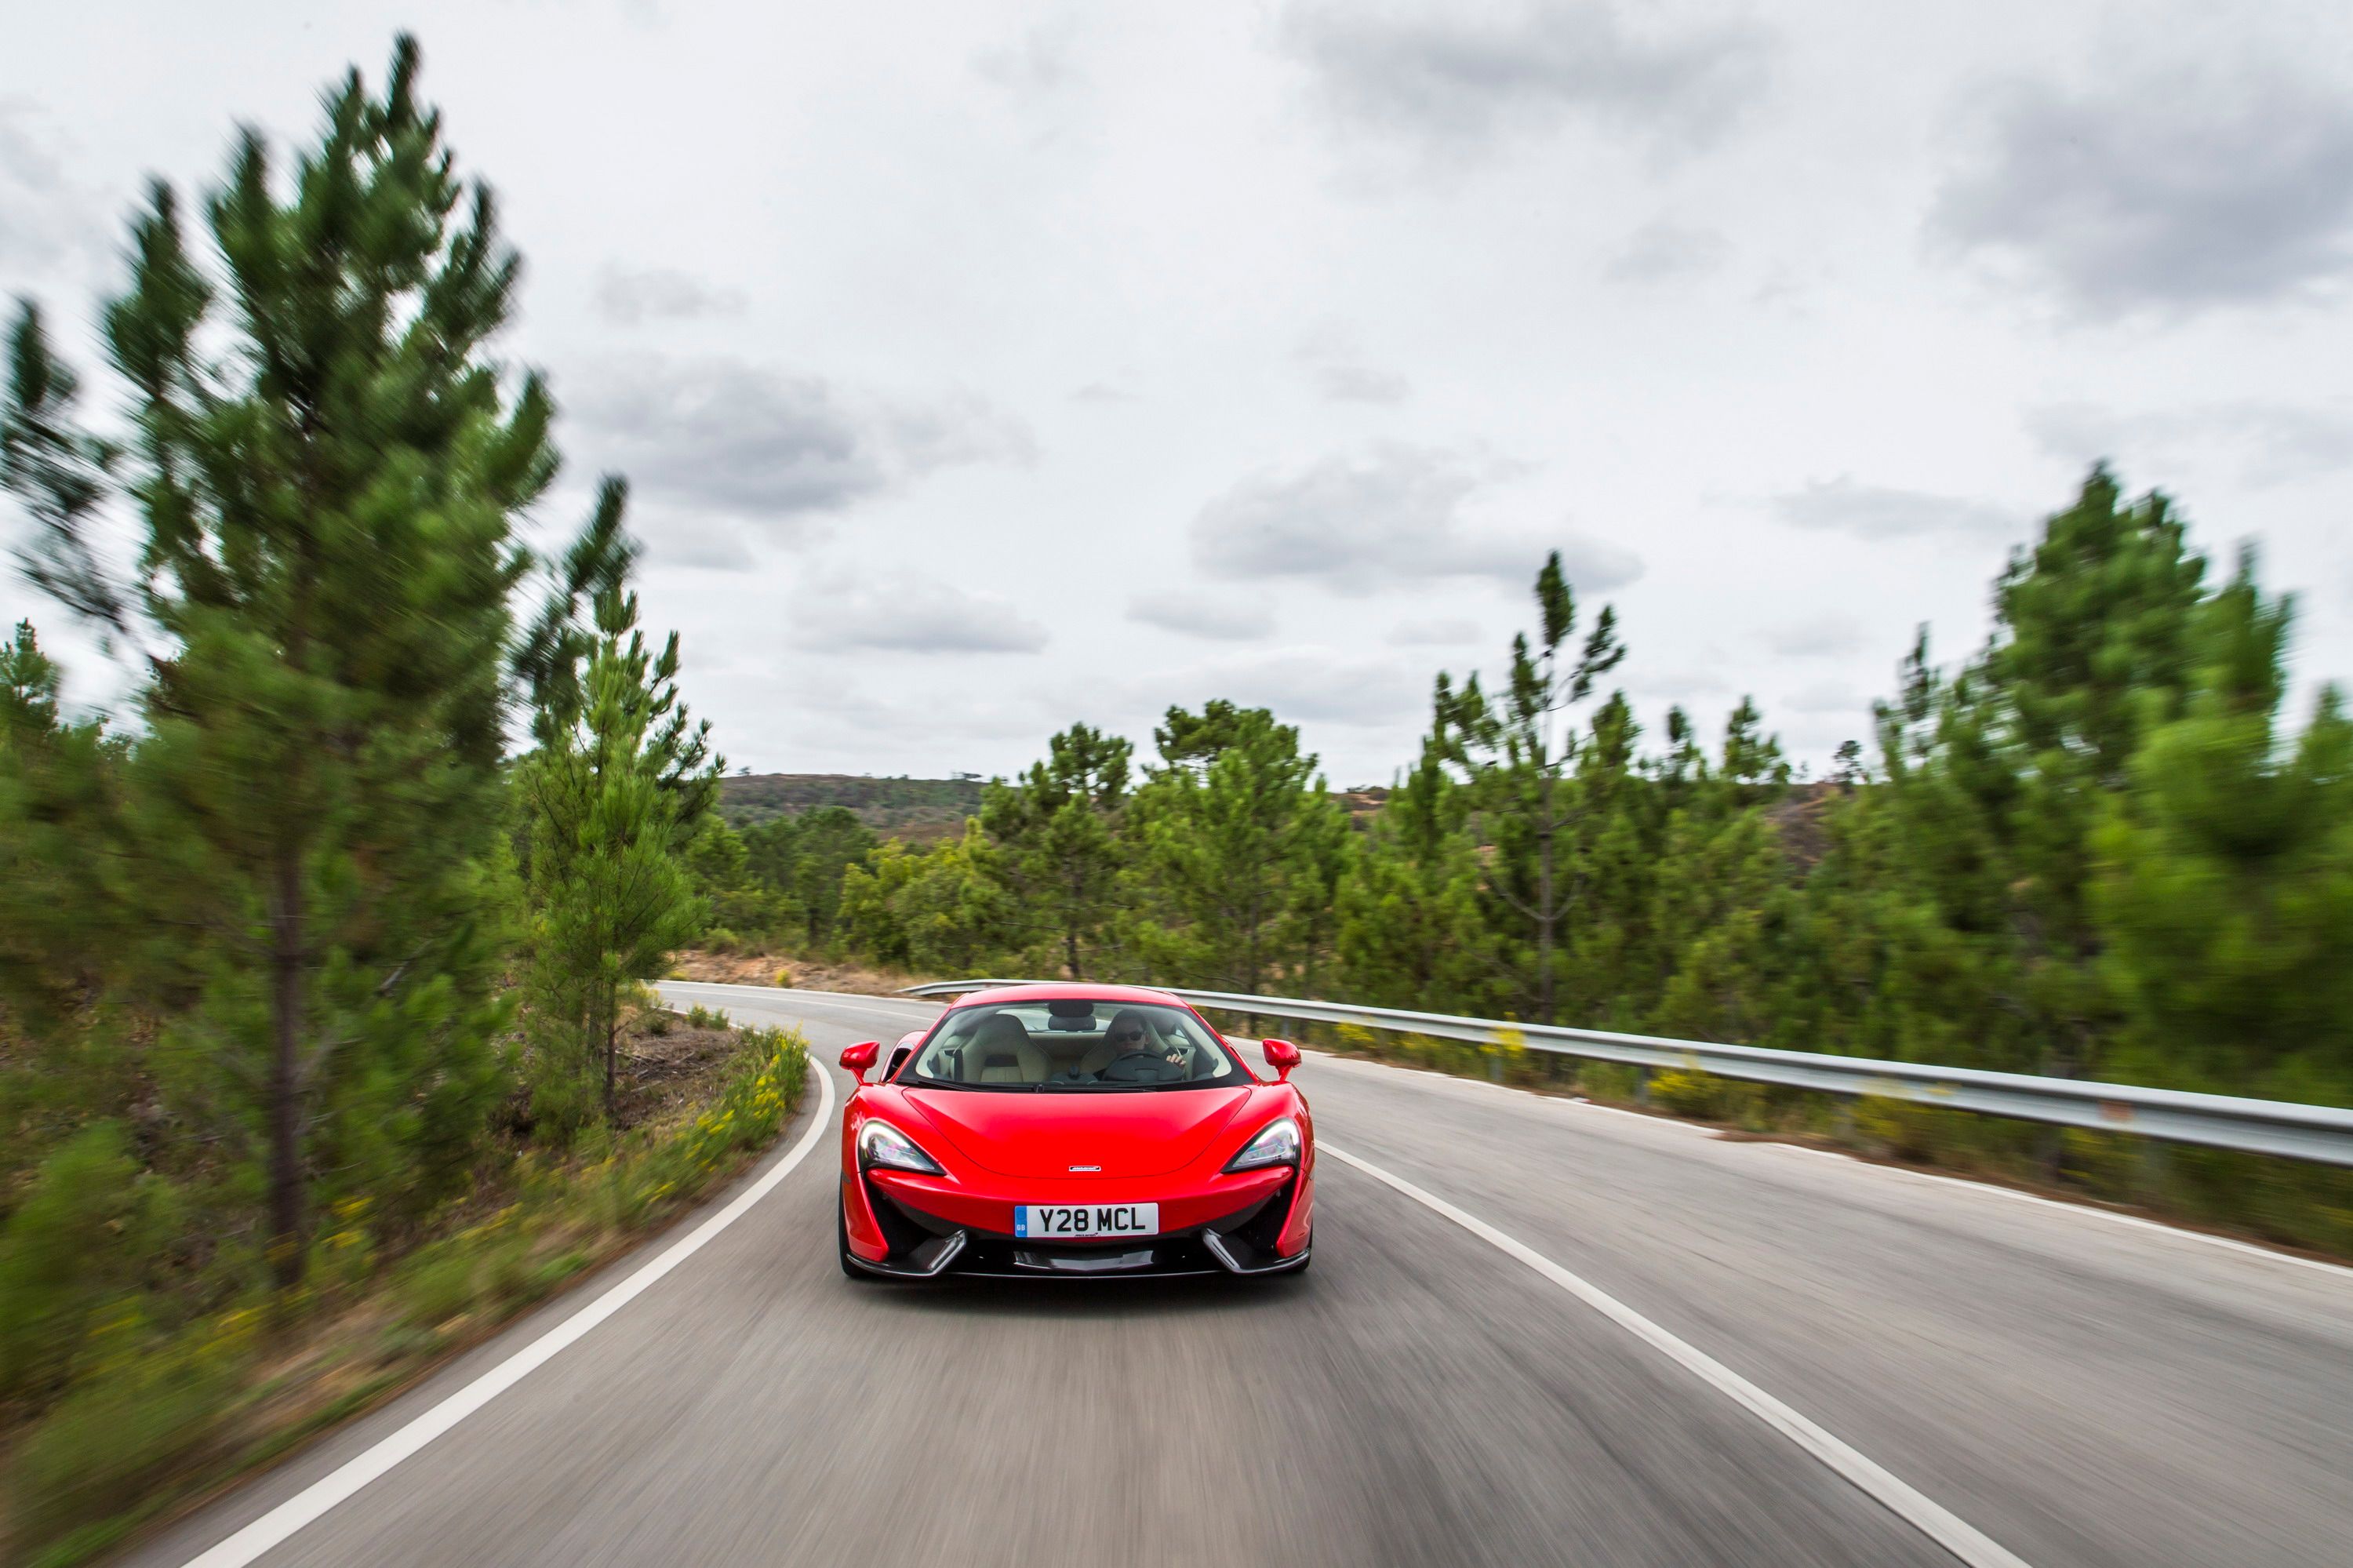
2323,1133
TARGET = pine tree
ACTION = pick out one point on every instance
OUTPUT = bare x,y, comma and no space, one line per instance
2223,877
1058,827
1998,778
326,465
1219,821
616,792
1412,932
1520,754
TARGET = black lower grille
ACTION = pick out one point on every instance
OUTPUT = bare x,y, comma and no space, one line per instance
1161,1256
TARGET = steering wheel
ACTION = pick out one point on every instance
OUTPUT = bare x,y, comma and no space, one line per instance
1140,1068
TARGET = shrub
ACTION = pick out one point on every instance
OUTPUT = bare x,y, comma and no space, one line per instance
1609,1080
104,1445
63,1254
1691,1093
1694,1092
701,1017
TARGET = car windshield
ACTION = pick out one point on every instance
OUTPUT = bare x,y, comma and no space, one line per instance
1074,1045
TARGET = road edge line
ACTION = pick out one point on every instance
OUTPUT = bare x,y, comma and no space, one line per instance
347,1479
1931,1519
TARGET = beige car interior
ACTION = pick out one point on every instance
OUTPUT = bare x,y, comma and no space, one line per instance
1001,1052
1000,1049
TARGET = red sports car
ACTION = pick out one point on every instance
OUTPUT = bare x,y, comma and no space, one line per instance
1042,1130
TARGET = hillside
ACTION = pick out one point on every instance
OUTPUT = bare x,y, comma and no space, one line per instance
916,809
919,811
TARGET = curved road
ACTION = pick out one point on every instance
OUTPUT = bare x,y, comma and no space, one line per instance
1537,1331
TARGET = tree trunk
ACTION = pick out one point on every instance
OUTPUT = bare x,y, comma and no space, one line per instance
611,1025
287,1253
1546,914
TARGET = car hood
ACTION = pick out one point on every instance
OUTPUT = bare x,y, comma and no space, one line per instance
1128,1133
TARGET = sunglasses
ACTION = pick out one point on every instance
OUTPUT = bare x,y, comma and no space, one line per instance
1127,1036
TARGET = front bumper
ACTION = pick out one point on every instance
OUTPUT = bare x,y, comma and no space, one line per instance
928,1229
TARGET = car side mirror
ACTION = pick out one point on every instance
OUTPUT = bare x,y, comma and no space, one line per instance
1281,1055
858,1060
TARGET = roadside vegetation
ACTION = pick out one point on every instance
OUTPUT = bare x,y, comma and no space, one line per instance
2102,846
323,1040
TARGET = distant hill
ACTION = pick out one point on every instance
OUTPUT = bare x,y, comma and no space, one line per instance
917,810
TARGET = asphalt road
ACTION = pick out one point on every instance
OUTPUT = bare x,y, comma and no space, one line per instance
2074,1388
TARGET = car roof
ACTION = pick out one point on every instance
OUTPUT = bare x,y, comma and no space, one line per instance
1068,990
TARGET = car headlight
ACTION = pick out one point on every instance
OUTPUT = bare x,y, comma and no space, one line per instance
1277,1143
879,1143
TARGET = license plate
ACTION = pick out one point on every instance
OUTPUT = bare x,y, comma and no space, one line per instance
1076,1221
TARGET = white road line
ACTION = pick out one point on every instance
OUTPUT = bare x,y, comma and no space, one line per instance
338,1485
1931,1519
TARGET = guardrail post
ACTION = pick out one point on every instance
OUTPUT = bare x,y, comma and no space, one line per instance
1641,1086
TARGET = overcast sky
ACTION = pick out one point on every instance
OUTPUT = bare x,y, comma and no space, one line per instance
982,368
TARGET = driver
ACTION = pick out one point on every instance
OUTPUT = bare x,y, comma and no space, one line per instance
1138,1058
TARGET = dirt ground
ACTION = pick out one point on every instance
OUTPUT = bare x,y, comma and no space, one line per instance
775,969
667,1065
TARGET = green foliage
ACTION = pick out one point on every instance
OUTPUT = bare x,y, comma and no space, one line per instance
614,794
918,810
800,861
2093,848
1057,829
260,930
945,911
103,1445
2222,878
1702,1094
326,466
1519,754
70,1252
1222,825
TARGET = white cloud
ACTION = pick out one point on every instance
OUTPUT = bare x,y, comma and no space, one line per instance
1321,686
1458,76
1827,697
1388,516
2172,191
627,297
740,439
1336,365
2266,442
903,612
1662,252
1219,618
1437,633
1878,511
44,219
1832,636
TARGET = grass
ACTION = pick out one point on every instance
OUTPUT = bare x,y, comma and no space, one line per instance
172,1416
